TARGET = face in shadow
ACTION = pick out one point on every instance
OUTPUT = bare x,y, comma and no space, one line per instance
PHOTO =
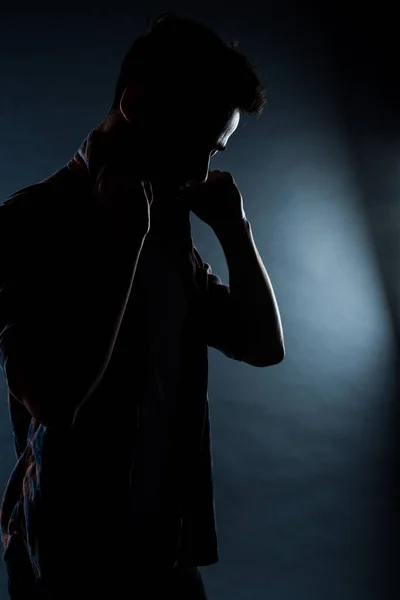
177,138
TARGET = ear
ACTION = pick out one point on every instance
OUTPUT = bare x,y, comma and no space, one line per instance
131,103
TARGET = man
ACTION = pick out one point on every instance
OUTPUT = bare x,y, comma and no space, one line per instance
106,313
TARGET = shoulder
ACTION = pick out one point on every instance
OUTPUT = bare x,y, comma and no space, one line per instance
50,193
21,216
26,202
42,205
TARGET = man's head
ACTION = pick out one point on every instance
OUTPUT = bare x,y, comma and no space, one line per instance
180,94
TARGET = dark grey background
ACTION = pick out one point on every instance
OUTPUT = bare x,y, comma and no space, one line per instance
305,452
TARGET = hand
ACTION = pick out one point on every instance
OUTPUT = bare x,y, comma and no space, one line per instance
218,202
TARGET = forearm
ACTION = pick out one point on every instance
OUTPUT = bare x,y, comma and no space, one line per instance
251,289
117,280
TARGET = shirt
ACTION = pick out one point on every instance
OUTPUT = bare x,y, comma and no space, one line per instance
70,490
156,511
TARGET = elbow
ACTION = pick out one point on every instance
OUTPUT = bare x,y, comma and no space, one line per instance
279,355
44,413
46,410
265,359
49,418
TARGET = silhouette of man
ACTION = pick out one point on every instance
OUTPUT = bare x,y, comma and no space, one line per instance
106,313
